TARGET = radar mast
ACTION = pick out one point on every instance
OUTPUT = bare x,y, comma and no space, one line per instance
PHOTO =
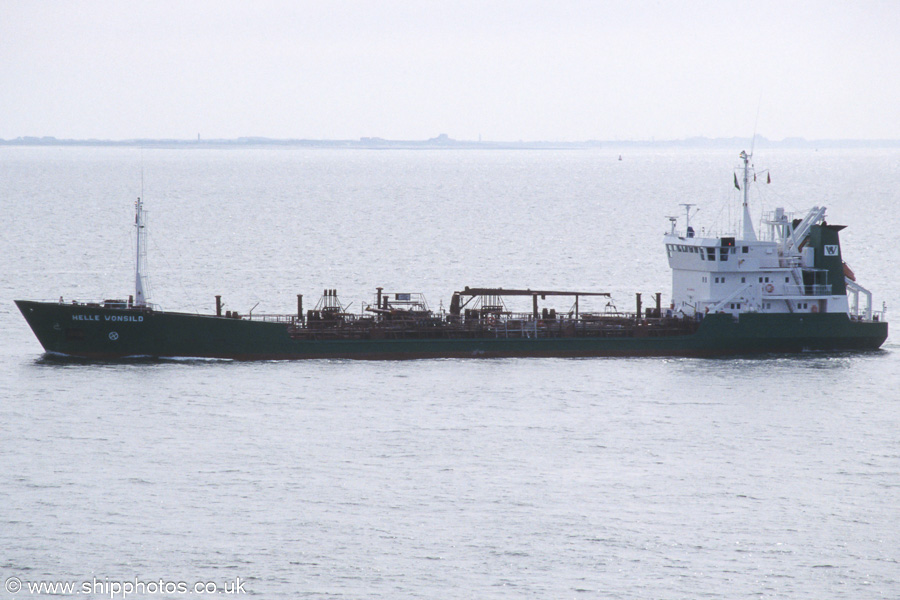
749,233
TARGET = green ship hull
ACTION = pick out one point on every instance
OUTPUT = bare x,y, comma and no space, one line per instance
787,291
99,332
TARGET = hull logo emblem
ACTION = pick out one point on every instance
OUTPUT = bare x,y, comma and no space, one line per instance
113,335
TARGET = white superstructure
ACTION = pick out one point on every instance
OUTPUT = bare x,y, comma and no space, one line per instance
794,266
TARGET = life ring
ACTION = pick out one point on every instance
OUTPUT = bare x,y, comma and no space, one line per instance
492,320
770,288
814,308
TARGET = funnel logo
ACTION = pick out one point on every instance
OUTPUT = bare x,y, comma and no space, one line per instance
831,250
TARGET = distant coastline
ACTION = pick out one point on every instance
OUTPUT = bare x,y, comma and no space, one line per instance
443,141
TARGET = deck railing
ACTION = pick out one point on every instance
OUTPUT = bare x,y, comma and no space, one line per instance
286,319
799,290
499,325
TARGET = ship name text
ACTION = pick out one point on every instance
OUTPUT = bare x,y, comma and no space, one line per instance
115,318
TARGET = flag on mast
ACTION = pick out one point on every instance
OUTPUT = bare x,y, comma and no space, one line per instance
768,178
735,181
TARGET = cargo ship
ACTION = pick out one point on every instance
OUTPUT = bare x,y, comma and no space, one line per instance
785,289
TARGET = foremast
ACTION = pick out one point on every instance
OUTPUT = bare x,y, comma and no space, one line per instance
141,287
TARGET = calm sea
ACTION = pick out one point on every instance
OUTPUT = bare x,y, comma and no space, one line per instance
765,477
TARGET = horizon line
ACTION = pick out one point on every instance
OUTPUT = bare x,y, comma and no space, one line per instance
442,140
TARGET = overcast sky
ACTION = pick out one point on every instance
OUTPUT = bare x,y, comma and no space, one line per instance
518,70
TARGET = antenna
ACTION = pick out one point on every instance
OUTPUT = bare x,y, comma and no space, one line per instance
755,124
140,261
